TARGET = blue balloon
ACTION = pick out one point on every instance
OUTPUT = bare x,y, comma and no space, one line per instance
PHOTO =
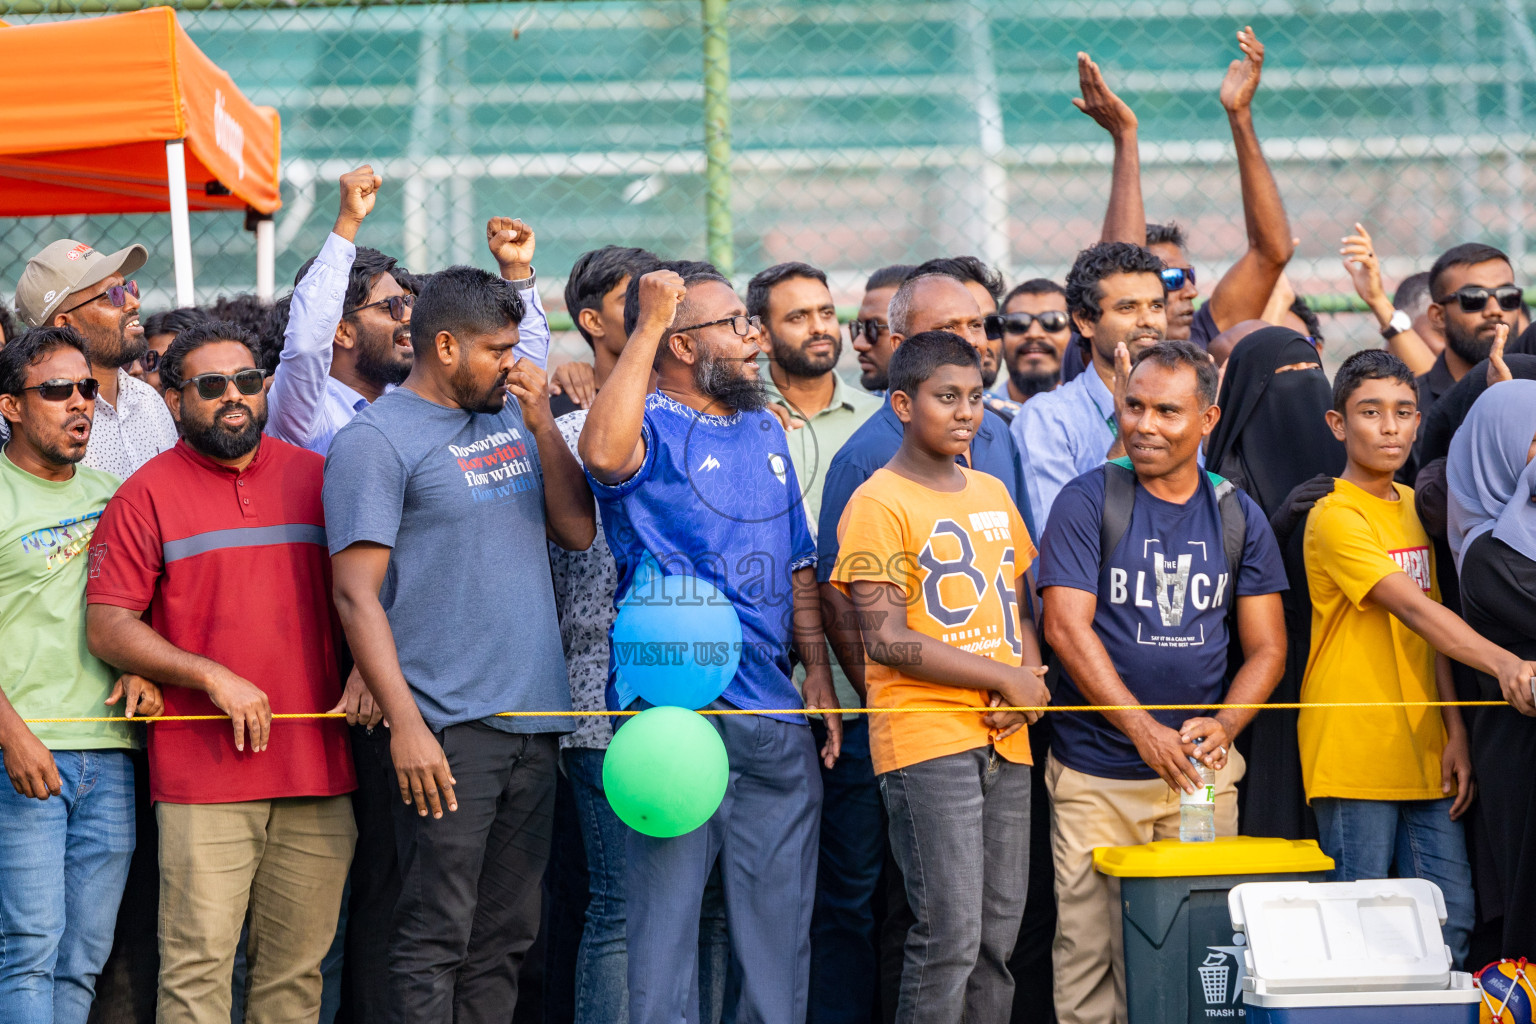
677,641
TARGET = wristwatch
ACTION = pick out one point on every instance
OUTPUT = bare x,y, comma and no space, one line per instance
1399,323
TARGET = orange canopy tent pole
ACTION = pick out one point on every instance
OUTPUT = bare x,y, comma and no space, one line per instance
124,114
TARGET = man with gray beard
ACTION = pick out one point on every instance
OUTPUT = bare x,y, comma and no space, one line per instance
70,284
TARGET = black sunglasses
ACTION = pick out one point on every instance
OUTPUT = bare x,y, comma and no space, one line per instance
1474,299
1174,277
742,325
998,324
60,390
117,294
397,304
212,385
871,329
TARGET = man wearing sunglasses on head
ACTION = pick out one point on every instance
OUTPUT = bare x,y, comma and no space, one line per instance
348,339
70,284
222,540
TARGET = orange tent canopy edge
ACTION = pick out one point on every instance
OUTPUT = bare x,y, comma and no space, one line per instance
95,100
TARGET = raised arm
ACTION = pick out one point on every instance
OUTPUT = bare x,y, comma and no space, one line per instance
611,444
1452,637
1069,630
512,243
421,767
1126,218
297,396
1364,269
1244,290
120,636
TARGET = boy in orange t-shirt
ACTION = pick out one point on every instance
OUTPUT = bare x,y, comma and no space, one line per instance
933,555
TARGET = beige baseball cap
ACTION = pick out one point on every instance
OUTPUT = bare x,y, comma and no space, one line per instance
62,269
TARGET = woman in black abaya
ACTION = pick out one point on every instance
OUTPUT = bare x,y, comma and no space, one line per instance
1273,441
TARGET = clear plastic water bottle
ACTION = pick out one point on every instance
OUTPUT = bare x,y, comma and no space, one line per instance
1197,810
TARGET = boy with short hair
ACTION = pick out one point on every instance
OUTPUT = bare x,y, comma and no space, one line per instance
1388,784
933,555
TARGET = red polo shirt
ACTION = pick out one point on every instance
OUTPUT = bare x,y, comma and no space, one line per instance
232,566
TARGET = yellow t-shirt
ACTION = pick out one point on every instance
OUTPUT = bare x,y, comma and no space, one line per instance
957,557
1361,652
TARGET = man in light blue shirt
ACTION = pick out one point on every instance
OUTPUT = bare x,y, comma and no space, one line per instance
1116,297
349,326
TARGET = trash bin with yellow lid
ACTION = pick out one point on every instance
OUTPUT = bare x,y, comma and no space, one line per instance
1183,959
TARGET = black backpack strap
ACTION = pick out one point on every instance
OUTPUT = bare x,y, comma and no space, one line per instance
1234,529
1119,500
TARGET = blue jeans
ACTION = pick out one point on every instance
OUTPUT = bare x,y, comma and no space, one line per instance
63,865
844,970
602,963
960,834
1416,838
764,839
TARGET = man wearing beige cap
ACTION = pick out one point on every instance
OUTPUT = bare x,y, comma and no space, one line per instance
69,283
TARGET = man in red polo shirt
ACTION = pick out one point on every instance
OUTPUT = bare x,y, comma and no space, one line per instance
222,539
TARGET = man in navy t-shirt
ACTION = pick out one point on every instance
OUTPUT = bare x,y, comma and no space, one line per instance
1147,623
696,479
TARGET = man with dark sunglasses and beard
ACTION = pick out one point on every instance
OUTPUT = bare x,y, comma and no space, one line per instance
1036,330
255,823
70,284
695,479
348,338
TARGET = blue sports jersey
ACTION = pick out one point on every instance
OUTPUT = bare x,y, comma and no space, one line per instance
717,497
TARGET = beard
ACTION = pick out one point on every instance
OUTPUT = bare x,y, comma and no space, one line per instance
471,398
1029,384
380,362
796,363
1467,344
57,448
726,382
874,380
219,442
120,350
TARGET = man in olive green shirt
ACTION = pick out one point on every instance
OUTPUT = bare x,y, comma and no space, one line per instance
805,342
67,818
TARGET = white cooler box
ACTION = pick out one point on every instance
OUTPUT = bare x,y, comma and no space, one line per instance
1367,952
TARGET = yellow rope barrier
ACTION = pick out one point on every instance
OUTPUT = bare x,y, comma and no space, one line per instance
950,709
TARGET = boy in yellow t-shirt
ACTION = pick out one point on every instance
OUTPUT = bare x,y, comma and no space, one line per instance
933,556
1389,785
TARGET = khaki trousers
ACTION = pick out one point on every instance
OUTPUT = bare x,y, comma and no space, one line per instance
1088,811
279,863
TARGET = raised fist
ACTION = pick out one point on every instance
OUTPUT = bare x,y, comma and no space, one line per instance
661,292
510,241
359,189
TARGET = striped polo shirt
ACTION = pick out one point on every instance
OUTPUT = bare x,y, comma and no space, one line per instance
232,565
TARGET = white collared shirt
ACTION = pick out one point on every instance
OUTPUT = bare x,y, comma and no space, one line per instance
125,437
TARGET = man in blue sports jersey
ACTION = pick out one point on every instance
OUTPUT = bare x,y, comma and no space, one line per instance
696,478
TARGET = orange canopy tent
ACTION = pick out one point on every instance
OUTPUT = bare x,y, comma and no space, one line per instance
124,114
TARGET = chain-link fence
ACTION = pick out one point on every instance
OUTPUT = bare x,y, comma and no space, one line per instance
861,133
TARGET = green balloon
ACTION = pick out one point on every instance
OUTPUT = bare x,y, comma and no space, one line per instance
665,772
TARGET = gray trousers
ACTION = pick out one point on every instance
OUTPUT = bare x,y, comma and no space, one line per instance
960,834
764,835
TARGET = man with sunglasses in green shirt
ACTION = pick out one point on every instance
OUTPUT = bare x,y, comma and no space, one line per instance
70,284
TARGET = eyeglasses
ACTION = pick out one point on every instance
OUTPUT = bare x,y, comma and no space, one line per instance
211,385
998,324
150,360
397,304
1174,277
117,294
742,325
1474,299
60,390
871,329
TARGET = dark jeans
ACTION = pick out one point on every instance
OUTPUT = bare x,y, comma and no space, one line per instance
374,882
960,833
469,881
852,850
764,836
1417,838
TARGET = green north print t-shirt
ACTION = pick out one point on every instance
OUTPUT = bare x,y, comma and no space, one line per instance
45,669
